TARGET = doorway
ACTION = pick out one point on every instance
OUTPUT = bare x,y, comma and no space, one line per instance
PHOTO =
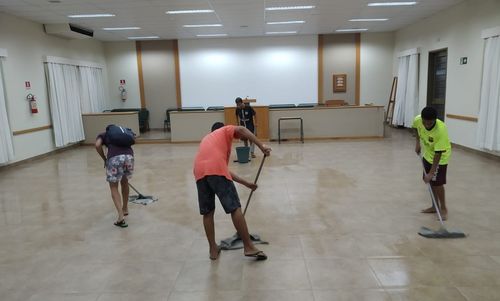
436,84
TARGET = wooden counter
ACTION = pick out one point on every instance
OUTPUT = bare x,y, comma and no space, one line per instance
319,122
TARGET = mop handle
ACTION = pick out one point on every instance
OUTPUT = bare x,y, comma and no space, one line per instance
432,196
133,188
255,182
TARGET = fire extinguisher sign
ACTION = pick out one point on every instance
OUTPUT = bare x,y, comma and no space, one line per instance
27,85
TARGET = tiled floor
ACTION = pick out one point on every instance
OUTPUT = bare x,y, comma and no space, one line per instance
155,134
341,218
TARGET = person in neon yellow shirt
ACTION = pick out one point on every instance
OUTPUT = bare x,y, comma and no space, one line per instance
432,133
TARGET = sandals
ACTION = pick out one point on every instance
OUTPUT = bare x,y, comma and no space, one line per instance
121,224
258,255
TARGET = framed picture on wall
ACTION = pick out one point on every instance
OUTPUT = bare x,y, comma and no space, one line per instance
339,83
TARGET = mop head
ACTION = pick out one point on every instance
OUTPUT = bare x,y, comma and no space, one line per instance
234,242
441,233
142,199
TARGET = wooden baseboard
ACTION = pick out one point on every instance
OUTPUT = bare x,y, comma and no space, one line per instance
40,157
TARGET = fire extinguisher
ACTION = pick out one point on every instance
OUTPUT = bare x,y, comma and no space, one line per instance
32,99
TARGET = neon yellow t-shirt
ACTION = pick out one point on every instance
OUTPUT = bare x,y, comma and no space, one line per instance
434,140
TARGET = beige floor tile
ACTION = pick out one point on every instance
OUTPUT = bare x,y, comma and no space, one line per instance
408,271
483,293
330,246
275,274
202,275
351,295
341,273
210,295
64,297
132,297
426,293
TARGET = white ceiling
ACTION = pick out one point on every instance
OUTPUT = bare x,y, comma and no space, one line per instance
328,16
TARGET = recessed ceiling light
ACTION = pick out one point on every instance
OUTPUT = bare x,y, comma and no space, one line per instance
351,30
212,35
286,22
290,7
405,3
91,16
191,11
368,20
143,38
120,28
203,25
281,32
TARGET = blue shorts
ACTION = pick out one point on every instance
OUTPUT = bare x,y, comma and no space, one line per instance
210,186
118,167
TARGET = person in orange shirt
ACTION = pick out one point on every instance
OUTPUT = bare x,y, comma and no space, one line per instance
213,177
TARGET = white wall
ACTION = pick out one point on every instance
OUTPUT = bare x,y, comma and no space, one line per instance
271,69
376,67
121,60
27,44
458,29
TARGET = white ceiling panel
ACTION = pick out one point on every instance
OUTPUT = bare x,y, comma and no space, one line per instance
240,18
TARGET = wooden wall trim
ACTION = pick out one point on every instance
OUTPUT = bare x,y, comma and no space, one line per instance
461,117
138,50
358,69
320,68
32,130
177,74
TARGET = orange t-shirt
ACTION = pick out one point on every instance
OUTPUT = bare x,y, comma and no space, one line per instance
213,155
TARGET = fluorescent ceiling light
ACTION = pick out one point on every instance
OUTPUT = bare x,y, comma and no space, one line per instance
203,25
212,35
290,7
191,11
286,22
120,28
143,38
351,30
406,3
281,32
368,20
91,16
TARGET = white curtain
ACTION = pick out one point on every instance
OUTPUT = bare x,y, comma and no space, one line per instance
92,88
406,105
488,134
65,103
6,148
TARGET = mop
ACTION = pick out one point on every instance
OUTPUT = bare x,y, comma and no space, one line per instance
140,198
442,232
234,242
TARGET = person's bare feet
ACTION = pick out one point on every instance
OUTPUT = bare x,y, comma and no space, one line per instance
429,210
214,253
255,253
444,214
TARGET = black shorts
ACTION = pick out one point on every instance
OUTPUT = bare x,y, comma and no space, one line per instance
439,178
225,190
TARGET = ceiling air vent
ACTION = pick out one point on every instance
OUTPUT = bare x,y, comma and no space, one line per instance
68,31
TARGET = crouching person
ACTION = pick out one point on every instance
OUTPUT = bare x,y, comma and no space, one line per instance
119,164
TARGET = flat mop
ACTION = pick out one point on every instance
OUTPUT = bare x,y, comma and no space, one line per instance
442,232
234,242
140,198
